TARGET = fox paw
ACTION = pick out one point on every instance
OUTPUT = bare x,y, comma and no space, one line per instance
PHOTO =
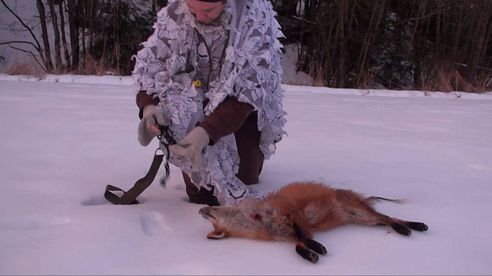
307,254
417,226
315,246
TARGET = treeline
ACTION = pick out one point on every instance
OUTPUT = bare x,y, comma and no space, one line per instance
398,44
87,36
414,44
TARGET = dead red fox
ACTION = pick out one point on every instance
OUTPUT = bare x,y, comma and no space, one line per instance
295,212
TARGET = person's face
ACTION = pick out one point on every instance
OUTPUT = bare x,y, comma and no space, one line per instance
205,12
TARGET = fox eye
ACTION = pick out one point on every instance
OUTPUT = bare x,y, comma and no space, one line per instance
257,217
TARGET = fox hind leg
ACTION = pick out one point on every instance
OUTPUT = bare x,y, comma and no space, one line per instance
403,227
355,209
414,225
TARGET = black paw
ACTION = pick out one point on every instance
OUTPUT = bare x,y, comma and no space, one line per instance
307,254
417,226
402,229
315,246
203,197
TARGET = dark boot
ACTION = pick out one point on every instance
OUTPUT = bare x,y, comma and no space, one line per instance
202,196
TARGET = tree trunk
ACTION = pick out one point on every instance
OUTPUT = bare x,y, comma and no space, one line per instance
341,39
378,12
73,22
58,62
63,37
482,18
44,34
116,29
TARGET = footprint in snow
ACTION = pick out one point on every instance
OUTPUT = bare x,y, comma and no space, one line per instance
153,223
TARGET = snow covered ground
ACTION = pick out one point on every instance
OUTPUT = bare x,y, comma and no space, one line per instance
63,139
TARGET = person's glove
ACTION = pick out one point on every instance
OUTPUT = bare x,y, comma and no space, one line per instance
148,128
191,147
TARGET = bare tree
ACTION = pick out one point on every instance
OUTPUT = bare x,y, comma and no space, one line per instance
73,22
54,21
44,35
62,31
103,34
36,45
427,44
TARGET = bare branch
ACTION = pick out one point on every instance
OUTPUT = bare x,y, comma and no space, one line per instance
23,24
20,42
33,56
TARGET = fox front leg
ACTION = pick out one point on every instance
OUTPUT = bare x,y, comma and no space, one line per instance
309,243
306,246
306,253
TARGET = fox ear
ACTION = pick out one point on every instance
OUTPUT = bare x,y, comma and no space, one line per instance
217,234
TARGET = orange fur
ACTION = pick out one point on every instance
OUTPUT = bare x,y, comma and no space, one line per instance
296,211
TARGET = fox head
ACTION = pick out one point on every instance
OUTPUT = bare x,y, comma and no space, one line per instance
253,219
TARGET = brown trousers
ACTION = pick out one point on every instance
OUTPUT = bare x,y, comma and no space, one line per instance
250,158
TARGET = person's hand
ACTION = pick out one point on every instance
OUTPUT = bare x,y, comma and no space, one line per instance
148,128
191,146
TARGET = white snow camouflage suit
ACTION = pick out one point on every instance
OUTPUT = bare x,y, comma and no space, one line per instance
238,56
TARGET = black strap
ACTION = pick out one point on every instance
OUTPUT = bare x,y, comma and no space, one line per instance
130,197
